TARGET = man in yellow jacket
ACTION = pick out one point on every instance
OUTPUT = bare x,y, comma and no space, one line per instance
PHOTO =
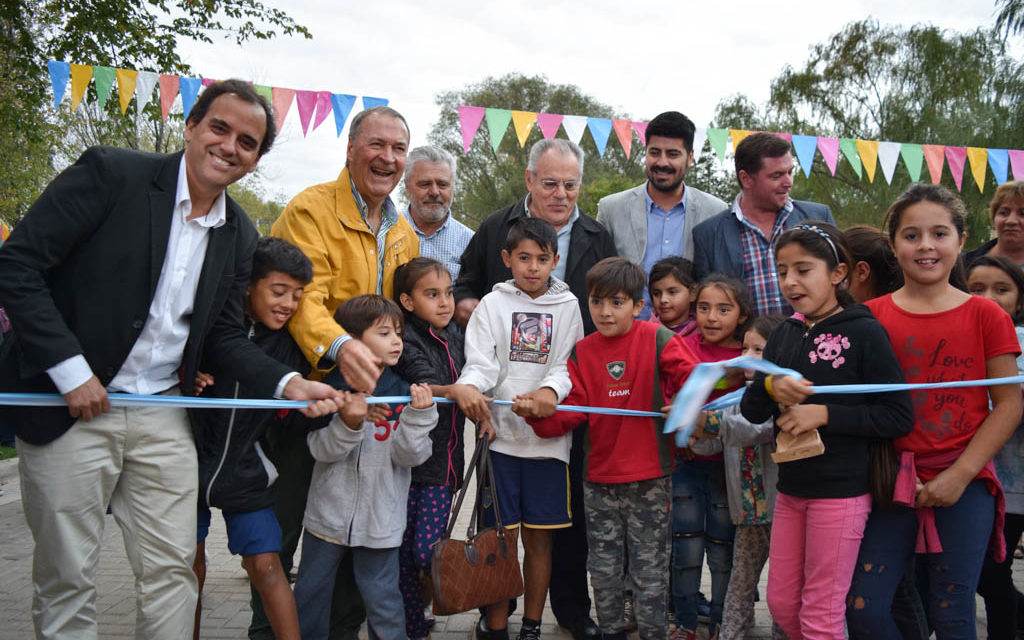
355,237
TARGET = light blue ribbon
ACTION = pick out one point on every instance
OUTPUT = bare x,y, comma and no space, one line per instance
136,400
689,402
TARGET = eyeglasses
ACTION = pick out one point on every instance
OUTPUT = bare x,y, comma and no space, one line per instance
569,185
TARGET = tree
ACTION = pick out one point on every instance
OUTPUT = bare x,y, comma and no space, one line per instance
134,34
488,180
1011,17
918,84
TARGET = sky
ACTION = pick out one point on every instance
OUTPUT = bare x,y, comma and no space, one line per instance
640,57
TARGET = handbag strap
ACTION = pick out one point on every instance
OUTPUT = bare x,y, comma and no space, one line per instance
465,487
481,455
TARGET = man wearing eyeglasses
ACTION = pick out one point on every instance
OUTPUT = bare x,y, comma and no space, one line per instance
554,173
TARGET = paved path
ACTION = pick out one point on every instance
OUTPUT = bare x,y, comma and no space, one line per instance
226,595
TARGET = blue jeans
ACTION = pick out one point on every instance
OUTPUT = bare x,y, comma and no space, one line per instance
376,573
700,524
888,545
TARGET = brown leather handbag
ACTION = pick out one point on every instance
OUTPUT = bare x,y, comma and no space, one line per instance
483,568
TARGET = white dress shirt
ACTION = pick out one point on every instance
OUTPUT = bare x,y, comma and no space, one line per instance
152,365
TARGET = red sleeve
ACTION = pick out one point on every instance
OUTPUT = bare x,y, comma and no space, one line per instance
562,422
676,362
997,331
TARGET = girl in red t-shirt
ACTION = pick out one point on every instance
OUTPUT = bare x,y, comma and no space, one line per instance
951,495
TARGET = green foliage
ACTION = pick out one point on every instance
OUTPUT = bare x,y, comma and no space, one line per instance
488,180
133,34
918,84
1011,17
251,196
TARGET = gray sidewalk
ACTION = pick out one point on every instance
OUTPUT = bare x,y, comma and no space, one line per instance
226,595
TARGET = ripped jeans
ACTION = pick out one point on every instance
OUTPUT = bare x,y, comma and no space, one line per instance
888,545
700,524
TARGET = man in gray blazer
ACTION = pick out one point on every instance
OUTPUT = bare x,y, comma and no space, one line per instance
656,219
740,241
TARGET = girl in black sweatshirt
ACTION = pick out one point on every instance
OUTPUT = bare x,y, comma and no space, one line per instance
823,501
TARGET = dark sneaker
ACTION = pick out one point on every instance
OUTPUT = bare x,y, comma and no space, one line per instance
529,632
703,608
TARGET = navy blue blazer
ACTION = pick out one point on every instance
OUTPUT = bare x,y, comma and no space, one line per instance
716,241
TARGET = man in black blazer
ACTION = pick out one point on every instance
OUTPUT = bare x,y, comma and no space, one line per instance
126,269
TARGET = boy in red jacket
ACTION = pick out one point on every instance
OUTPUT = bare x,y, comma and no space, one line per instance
624,365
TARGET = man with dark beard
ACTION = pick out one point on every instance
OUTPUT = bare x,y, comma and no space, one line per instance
656,219
429,185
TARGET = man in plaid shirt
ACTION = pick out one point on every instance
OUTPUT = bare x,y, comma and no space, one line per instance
740,241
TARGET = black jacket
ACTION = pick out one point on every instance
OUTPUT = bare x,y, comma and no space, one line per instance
78,275
425,359
234,471
482,268
850,347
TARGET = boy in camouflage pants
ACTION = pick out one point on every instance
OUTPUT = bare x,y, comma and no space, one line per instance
625,365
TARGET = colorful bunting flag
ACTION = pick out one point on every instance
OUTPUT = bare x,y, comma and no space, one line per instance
912,157
306,103
600,129
849,148
549,123
343,103
469,121
81,74
323,108
624,132
60,73
979,162
998,159
888,155
934,155
868,152
104,77
829,148
522,122
168,91
125,87
700,136
497,124
1017,163
804,147
189,88
956,157
315,106
144,83
719,141
574,127
266,91
282,101
641,132
737,136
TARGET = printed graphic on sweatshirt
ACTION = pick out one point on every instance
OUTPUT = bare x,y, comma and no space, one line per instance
531,337
382,429
829,347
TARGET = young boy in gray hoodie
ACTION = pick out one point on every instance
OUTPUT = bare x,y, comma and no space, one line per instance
357,496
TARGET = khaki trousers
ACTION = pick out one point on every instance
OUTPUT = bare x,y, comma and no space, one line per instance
141,462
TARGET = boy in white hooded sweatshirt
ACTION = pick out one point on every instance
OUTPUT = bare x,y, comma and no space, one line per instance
518,343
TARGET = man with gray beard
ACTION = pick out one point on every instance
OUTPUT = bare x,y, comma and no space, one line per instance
429,185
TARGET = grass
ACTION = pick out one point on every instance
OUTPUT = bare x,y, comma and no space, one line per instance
8,452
